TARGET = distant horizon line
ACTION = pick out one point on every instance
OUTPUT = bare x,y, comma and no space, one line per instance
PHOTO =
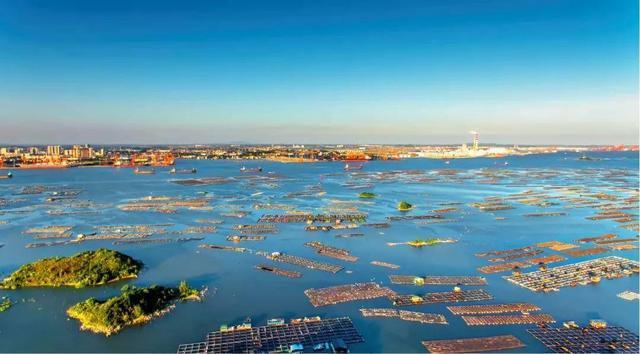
2,144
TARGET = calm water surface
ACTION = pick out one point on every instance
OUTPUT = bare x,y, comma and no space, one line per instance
38,323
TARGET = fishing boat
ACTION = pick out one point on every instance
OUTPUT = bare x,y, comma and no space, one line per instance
588,158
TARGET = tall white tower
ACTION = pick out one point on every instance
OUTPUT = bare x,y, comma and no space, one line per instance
476,139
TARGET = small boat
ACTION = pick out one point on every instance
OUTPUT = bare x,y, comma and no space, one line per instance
598,324
588,158
7,176
275,322
244,169
145,171
183,171
570,324
352,167
321,347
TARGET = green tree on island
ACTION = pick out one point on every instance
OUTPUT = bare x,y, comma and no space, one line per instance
404,206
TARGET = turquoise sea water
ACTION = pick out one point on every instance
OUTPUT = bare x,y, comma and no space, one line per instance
38,323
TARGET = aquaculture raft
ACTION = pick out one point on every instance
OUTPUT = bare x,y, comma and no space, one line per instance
514,256
437,280
422,317
414,217
505,252
587,340
279,271
495,320
385,264
494,308
273,338
303,262
333,252
597,238
306,218
256,229
501,267
237,238
473,345
343,293
432,298
585,272
586,251
202,181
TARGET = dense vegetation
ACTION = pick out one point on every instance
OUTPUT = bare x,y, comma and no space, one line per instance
404,206
429,242
188,293
421,243
83,269
367,195
133,306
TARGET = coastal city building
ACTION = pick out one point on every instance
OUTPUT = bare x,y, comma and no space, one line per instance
57,156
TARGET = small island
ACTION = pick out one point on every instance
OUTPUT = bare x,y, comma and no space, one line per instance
367,195
5,304
430,242
88,268
418,243
132,307
404,206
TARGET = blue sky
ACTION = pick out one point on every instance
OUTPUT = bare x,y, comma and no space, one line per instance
318,71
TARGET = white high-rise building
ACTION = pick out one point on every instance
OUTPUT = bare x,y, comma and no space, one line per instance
54,150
